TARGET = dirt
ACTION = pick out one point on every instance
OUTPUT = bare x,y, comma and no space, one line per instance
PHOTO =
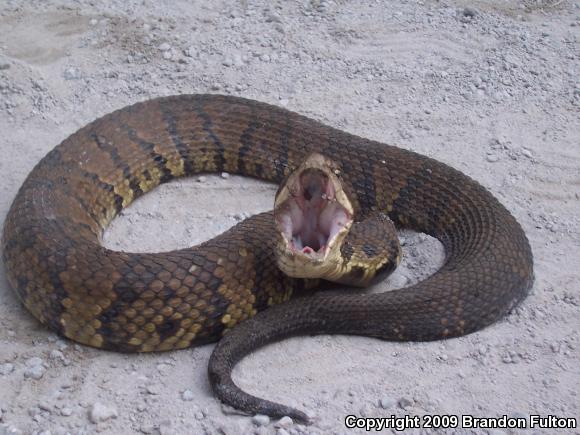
490,87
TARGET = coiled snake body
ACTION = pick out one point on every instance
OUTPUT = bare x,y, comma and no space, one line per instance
149,302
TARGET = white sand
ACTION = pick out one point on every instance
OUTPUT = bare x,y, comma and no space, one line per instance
496,96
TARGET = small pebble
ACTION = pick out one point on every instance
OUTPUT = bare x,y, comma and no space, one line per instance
100,412
66,411
469,12
34,368
387,402
187,395
72,74
285,422
56,354
225,175
4,66
261,420
202,179
366,411
45,406
164,427
165,47
6,368
147,428
405,403
9,430
153,390
492,158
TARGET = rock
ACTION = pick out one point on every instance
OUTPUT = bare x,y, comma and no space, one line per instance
492,158
66,411
56,354
100,412
261,420
285,422
387,402
164,427
165,47
35,368
469,12
225,175
398,280
6,429
405,403
153,390
45,406
366,411
526,153
72,74
187,395
147,428
6,368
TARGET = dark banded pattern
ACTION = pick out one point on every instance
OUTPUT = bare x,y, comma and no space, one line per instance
146,302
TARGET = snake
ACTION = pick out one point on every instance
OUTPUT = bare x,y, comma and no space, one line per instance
233,288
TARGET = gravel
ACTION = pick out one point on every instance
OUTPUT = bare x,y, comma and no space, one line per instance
6,369
405,403
285,422
489,87
261,420
35,368
101,412
387,402
187,395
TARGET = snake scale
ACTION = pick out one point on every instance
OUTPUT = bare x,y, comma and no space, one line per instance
160,301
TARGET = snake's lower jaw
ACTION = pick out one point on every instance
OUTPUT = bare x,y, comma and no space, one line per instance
313,216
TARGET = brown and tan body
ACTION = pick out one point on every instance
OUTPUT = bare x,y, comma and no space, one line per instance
146,302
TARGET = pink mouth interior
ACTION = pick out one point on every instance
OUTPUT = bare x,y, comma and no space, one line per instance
312,217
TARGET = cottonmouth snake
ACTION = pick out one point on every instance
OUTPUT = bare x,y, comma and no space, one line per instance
148,302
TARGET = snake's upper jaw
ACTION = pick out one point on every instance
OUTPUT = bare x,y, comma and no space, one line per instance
313,216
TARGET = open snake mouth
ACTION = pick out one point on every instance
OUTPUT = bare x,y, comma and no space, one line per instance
312,211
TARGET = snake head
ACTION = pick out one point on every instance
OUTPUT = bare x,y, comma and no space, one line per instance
313,215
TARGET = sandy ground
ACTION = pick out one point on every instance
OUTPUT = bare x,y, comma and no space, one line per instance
489,87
